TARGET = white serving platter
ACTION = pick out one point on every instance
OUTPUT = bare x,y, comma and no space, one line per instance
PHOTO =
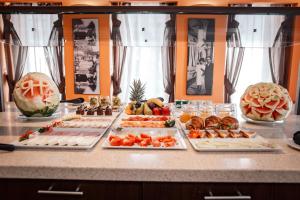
153,132
255,144
123,116
73,121
292,144
265,123
71,139
40,118
114,115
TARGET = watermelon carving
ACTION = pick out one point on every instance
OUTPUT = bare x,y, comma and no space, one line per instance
266,102
35,94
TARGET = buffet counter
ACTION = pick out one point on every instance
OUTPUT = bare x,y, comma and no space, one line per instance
151,165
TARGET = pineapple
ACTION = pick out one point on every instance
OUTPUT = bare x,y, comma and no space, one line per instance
137,91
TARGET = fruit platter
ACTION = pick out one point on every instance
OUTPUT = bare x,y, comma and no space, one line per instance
51,138
153,106
144,139
265,103
138,121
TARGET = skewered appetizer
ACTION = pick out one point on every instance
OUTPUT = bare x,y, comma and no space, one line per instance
212,122
94,101
104,101
116,103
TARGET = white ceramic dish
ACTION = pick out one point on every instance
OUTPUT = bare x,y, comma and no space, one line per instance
180,144
292,144
265,123
256,144
53,116
118,122
80,139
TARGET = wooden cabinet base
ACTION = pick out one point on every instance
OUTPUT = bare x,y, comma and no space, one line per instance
29,189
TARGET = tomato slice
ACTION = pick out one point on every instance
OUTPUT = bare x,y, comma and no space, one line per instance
144,135
144,143
131,137
138,139
112,137
127,142
156,143
116,141
169,144
148,141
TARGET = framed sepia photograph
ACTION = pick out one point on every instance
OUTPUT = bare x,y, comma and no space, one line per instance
201,37
86,56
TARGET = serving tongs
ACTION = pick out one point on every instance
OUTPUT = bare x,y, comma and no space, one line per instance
75,101
7,147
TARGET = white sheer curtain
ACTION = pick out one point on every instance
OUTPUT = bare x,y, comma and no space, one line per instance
143,34
34,32
257,34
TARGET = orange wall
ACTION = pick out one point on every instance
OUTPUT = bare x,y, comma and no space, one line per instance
219,57
295,56
104,73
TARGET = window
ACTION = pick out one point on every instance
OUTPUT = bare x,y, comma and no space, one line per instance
257,35
143,36
34,32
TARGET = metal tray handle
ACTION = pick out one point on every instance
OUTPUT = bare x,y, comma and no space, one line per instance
58,192
239,196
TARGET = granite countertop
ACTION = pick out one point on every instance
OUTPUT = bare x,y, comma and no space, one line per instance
153,165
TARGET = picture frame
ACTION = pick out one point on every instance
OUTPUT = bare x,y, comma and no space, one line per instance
86,56
200,61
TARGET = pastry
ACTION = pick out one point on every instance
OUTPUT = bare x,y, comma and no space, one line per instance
229,123
212,122
90,111
108,111
195,123
100,110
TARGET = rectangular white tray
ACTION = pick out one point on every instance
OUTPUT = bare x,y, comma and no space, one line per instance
71,147
125,116
262,144
154,132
